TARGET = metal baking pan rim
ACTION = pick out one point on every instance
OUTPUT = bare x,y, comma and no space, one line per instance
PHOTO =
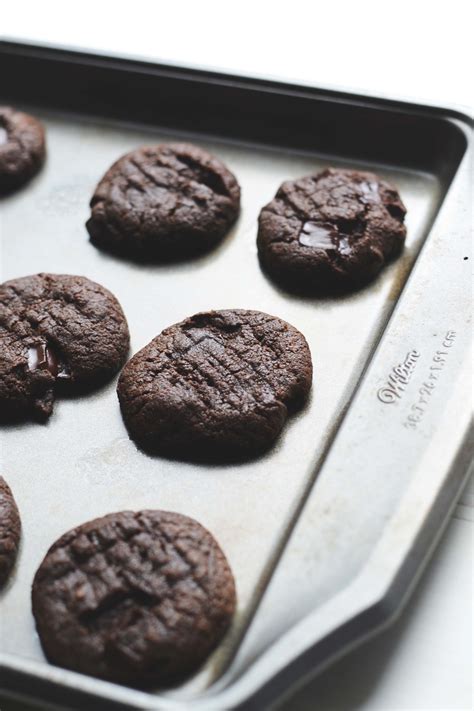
262,82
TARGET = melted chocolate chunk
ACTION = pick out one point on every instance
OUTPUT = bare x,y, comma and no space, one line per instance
324,237
370,191
43,357
319,236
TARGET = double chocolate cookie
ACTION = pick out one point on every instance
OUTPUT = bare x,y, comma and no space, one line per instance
335,229
56,332
136,598
218,385
165,202
22,148
10,530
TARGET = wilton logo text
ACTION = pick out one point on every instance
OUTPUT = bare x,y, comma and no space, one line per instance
398,379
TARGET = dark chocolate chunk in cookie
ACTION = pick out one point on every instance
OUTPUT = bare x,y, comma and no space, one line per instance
334,229
22,148
136,598
56,330
218,385
10,529
165,202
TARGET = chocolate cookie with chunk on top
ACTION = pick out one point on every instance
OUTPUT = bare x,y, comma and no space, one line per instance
166,202
138,598
22,148
333,230
10,530
57,332
219,385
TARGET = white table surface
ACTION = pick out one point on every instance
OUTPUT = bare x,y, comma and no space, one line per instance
411,49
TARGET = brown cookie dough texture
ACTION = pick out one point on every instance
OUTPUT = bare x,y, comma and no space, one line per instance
165,202
136,598
56,332
330,230
10,530
218,385
22,148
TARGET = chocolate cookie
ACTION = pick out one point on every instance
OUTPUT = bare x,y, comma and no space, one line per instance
333,229
218,385
164,202
10,529
22,148
136,598
56,331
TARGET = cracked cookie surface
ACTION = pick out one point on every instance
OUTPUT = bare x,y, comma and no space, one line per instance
10,530
165,202
58,332
218,385
330,230
22,148
139,598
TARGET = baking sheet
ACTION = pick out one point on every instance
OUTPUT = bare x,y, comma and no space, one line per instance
82,464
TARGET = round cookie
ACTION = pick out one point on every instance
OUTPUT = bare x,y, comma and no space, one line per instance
165,202
56,331
139,598
218,385
10,530
22,148
334,229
